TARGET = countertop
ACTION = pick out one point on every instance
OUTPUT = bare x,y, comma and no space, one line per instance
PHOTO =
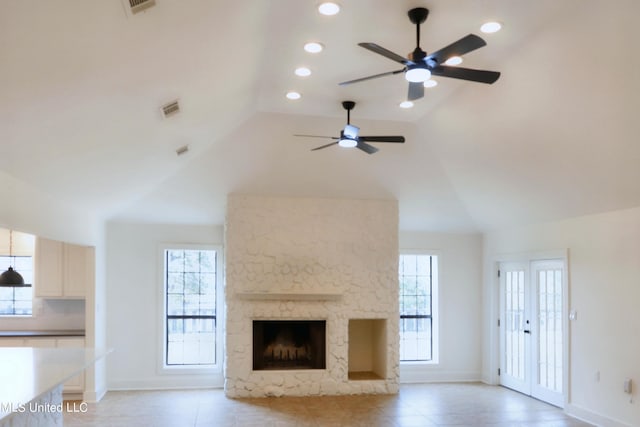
27,373
48,333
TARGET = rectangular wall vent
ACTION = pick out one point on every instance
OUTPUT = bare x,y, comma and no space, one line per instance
140,5
170,109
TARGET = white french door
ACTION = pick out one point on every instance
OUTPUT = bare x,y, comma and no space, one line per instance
532,298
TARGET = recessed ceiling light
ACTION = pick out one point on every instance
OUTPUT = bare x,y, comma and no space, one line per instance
406,104
329,8
303,72
293,95
313,47
491,27
430,83
454,60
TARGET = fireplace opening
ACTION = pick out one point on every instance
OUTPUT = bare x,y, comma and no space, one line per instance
289,344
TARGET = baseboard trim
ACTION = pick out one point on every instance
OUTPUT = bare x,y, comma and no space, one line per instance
164,384
93,396
592,417
423,374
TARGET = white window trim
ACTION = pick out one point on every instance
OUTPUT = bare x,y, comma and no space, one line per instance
435,310
162,368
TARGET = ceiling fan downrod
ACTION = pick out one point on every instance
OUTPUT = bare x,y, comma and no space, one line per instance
348,105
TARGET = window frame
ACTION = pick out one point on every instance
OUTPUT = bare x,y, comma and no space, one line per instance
163,367
28,279
436,260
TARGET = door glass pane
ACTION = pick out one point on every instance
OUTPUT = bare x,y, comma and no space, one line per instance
550,328
514,327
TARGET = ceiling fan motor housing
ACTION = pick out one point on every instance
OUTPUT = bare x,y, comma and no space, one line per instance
417,55
348,105
418,15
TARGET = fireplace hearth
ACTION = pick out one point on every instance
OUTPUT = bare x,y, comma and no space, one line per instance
289,344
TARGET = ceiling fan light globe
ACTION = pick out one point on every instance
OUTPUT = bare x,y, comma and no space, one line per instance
347,143
417,75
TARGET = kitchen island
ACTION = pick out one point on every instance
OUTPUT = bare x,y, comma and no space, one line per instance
31,382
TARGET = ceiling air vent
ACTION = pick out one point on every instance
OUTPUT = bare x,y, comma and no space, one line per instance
170,109
140,5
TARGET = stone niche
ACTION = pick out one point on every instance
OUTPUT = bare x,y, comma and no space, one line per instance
303,259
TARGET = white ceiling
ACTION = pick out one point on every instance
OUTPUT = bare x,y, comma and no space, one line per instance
556,136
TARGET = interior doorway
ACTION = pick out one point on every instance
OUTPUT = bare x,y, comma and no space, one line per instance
532,337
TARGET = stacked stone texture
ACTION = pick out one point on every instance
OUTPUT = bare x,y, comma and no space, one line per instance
304,245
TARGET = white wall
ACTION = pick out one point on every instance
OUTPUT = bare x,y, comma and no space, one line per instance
134,285
460,311
604,289
27,209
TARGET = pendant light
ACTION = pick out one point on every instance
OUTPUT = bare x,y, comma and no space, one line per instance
12,278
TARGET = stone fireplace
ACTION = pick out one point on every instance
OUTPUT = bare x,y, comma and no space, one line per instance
311,296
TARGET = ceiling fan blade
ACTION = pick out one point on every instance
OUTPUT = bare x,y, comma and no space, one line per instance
482,76
457,48
382,138
386,53
369,149
371,77
416,91
324,146
317,136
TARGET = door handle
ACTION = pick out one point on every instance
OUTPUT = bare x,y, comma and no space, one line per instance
526,331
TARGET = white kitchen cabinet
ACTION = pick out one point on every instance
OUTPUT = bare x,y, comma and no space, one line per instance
78,272
48,268
75,384
63,270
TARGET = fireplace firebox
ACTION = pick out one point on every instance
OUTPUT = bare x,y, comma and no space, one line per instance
289,344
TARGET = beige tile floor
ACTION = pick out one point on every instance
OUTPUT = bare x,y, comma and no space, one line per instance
415,406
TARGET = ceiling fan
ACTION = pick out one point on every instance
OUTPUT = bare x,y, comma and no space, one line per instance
419,67
350,138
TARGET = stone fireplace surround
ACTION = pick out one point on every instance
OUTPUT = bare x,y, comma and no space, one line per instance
310,259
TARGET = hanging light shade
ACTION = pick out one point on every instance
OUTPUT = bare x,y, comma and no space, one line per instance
12,278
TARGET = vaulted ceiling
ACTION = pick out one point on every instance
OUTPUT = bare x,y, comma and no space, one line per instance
556,136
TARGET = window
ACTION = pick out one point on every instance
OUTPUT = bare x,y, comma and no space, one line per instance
418,283
191,281
17,301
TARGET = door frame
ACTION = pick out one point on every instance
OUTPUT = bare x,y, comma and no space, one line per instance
494,312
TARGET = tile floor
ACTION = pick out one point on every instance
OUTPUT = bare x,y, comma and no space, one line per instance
421,405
